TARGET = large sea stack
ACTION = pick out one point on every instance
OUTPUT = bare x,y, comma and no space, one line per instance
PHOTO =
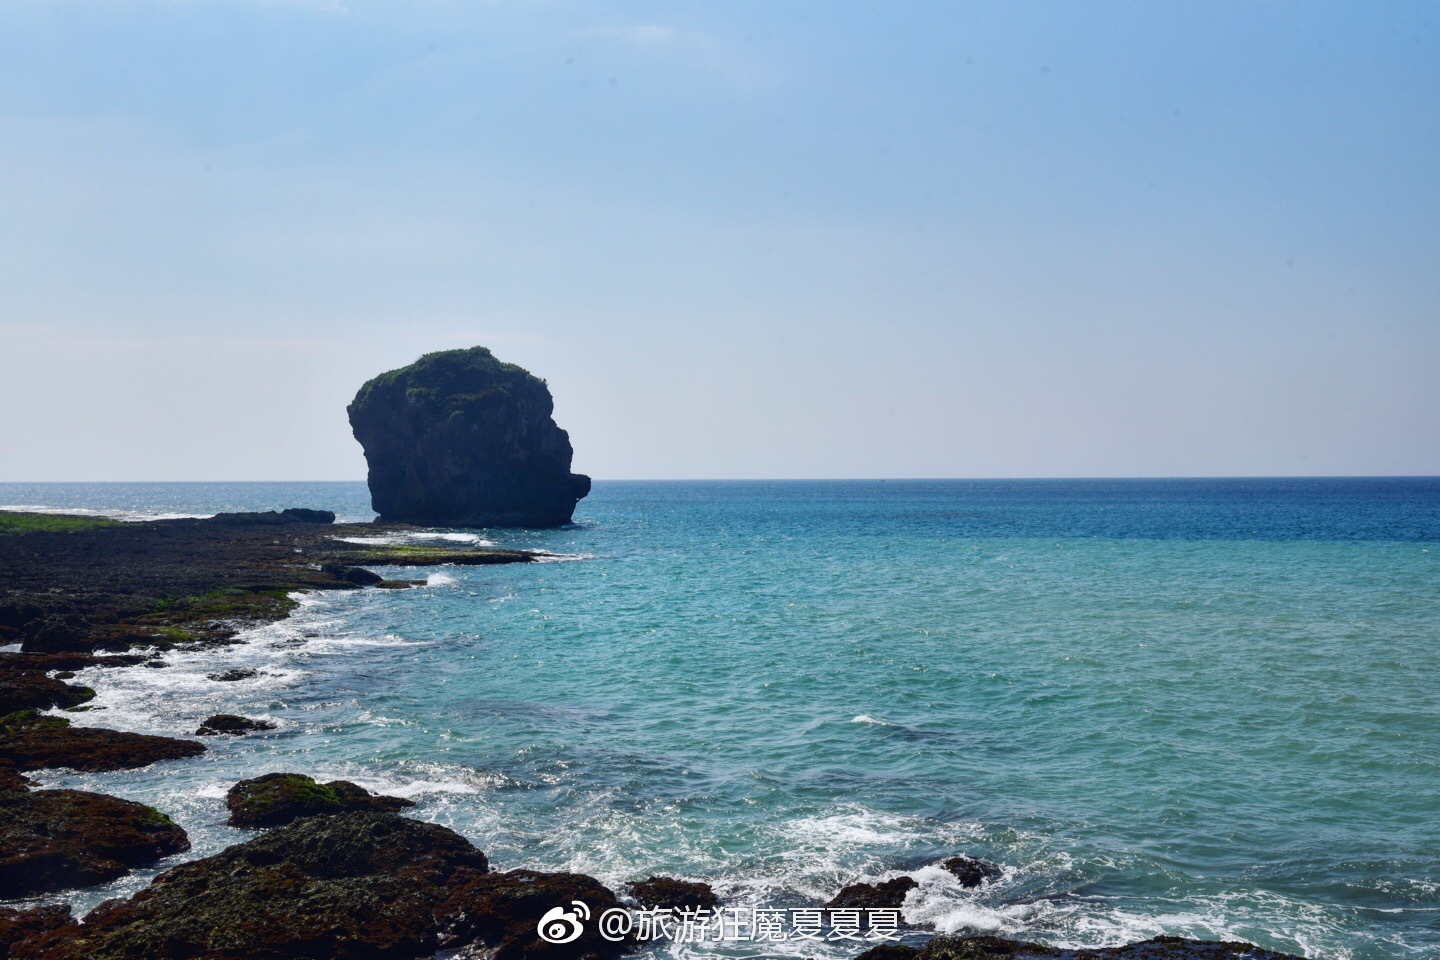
461,439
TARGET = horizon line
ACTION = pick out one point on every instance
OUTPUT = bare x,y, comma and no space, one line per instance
876,479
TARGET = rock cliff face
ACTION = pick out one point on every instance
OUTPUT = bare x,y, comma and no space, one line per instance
461,439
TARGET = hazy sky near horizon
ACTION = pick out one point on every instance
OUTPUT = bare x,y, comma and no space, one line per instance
739,240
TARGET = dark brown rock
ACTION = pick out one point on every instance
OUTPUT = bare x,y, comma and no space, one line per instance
230,676
227,724
459,438
58,633
57,839
890,951
972,872
667,892
356,575
33,690
10,779
20,929
887,895
274,518
502,910
29,741
64,661
358,886
280,798
307,515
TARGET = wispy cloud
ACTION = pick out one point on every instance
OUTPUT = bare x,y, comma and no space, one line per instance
643,34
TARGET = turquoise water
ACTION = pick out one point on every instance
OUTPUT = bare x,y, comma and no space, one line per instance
1207,708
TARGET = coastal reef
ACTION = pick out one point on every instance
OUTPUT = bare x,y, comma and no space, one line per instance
67,593
349,886
461,439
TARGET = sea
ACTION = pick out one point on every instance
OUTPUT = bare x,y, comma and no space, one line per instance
1208,708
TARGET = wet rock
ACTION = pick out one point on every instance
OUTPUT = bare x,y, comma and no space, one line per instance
34,690
280,798
976,948
230,676
1160,948
459,438
64,661
57,839
29,741
20,929
887,895
273,518
10,779
890,951
227,724
306,515
58,633
357,886
972,872
356,575
502,910
667,892
168,583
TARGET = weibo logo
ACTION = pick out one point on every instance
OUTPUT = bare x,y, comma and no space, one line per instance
560,925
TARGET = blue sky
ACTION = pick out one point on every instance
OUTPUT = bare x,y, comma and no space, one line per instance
739,240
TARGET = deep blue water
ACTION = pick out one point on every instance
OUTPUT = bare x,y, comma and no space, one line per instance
1198,707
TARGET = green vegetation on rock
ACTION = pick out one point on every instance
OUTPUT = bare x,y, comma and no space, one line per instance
178,620
11,522
279,798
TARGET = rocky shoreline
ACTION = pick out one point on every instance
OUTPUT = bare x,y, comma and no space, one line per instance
336,871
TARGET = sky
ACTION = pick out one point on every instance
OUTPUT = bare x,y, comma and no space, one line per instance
827,239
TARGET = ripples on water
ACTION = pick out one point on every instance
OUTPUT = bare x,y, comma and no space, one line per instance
1204,707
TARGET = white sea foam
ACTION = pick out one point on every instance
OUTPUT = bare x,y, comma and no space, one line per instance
420,537
127,515
545,556
941,903
850,829
342,643
866,718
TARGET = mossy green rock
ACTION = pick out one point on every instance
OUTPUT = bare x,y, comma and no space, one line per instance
280,798
461,439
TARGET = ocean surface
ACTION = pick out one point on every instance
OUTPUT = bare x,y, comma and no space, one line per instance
1208,708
